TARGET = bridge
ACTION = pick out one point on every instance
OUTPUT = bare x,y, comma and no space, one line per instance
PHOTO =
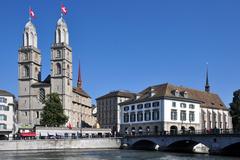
225,143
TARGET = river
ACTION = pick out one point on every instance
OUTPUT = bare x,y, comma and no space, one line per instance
104,154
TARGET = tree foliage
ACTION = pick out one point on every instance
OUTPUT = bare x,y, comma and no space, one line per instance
235,110
53,113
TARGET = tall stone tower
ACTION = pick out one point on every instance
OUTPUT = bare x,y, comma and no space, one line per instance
61,66
29,70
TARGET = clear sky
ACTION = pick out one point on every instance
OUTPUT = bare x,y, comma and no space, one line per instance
132,44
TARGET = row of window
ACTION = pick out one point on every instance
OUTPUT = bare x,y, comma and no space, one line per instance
183,105
183,115
140,106
4,108
3,100
139,116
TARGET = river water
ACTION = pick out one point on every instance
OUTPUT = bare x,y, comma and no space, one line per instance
104,154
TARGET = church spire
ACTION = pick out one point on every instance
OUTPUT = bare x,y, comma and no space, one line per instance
79,82
207,86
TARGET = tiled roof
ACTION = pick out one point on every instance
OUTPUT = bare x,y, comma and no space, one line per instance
5,93
118,93
81,92
205,99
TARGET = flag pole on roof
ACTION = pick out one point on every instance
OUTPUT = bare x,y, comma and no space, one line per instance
63,10
31,13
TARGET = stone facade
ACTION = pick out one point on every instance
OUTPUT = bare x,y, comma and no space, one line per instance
108,109
32,90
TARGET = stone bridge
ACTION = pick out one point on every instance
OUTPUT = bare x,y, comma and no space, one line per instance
227,144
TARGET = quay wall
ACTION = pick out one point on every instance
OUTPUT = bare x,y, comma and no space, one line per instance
84,143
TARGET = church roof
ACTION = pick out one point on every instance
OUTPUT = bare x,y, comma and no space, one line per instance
45,83
61,22
29,24
81,92
166,90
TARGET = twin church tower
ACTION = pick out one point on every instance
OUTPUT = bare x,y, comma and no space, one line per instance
32,89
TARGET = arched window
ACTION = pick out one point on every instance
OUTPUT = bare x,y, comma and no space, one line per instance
3,126
36,72
68,74
59,68
26,71
3,117
41,95
59,36
32,39
58,55
25,56
64,36
27,39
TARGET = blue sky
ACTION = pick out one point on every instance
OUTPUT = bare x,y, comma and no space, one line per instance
132,44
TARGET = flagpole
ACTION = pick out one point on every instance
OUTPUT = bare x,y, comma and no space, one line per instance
30,19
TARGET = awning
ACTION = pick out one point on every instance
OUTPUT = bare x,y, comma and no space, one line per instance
28,134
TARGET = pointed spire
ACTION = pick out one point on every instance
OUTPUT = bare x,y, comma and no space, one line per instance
207,86
79,82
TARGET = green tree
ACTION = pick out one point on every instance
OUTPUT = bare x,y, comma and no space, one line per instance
53,113
235,110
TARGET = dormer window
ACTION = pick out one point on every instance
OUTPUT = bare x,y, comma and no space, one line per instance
185,94
176,93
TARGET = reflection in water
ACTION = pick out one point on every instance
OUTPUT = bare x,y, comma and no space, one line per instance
96,154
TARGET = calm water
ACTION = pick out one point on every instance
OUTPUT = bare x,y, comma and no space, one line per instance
91,154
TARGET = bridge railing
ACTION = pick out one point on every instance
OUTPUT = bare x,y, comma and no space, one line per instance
184,132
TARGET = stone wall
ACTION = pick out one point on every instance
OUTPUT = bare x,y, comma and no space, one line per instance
112,143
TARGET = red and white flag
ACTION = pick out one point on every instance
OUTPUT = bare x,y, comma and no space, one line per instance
31,13
64,9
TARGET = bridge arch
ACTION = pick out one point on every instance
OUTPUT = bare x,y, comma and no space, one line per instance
232,149
188,146
145,144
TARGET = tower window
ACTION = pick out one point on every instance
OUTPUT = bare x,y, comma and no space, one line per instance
59,68
59,36
41,95
32,38
25,56
58,54
27,39
26,71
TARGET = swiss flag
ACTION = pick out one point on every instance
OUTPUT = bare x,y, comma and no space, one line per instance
69,125
31,13
64,9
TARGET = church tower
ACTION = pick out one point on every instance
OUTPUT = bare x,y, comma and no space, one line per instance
61,66
29,72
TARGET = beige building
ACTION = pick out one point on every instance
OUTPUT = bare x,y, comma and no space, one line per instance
169,108
32,90
108,109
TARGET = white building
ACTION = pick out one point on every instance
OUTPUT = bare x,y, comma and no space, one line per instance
7,114
169,108
32,90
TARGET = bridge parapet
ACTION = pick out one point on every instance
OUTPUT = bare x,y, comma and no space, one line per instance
217,143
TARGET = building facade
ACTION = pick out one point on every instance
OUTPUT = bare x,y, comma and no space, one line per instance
32,90
170,108
7,114
108,109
